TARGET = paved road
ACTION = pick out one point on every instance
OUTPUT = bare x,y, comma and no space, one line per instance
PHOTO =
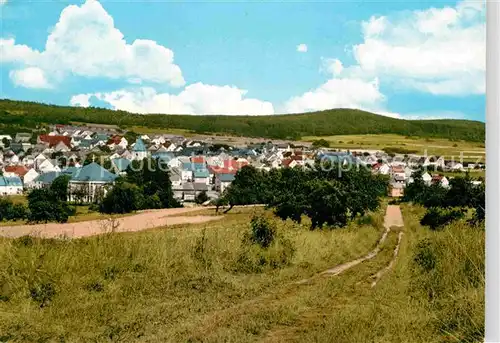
141,221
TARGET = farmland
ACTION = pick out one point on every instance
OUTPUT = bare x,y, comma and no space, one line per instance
415,145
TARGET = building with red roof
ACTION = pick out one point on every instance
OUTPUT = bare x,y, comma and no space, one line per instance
18,170
52,141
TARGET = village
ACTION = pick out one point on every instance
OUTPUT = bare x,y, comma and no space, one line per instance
95,156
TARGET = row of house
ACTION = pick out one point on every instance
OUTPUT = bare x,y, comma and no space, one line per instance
195,165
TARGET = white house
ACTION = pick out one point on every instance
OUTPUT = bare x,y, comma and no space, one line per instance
427,178
29,178
10,185
384,169
47,166
139,151
222,181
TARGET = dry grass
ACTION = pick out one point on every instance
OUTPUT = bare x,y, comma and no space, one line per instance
143,286
183,284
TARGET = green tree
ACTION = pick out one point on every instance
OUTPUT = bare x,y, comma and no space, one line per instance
321,143
122,198
45,205
59,187
201,197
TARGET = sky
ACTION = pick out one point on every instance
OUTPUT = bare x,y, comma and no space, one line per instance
414,60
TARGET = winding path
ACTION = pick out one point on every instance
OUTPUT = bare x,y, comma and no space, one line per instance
393,218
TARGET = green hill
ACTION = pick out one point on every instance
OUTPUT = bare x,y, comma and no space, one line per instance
21,114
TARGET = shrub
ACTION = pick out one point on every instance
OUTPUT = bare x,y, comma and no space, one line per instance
321,143
263,231
436,217
201,197
123,198
43,293
45,206
263,247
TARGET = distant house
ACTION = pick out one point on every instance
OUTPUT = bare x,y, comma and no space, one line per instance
120,165
201,176
139,151
427,178
23,137
175,177
15,170
396,189
47,166
10,185
54,141
222,181
93,179
45,179
29,178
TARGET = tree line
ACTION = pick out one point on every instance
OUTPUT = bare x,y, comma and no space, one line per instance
446,204
290,126
325,193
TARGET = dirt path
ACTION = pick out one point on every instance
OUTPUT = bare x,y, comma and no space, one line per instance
393,218
141,221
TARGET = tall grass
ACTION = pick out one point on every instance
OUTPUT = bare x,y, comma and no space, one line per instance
130,286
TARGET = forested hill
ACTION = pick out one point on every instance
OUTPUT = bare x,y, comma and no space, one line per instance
21,114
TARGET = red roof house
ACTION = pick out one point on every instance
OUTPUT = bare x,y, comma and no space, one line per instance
52,141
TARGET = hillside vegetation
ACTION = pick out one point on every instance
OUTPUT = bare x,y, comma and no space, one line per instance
21,114
207,283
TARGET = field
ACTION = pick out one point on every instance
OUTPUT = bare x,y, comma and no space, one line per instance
416,145
200,283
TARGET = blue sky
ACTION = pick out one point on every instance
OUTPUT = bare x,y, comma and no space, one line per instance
407,60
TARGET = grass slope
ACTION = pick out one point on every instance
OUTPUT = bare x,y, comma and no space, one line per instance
291,126
180,285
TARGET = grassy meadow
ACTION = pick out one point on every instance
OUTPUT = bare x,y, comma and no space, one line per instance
205,283
418,145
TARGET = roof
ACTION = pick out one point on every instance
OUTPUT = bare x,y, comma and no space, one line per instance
121,163
47,177
139,146
201,173
13,181
54,140
71,171
226,177
198,159
115,139
93,172
18,170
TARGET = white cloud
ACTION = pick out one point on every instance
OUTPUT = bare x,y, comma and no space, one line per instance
3,2
197,98
339,93
437,51
302,47
332,66
31,77
440,51
82,100
85,42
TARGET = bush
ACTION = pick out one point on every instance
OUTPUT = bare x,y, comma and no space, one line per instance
201,197
262,247
436,217
123,198
45,206
43,293
11,211
321,143
18,212
263,231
